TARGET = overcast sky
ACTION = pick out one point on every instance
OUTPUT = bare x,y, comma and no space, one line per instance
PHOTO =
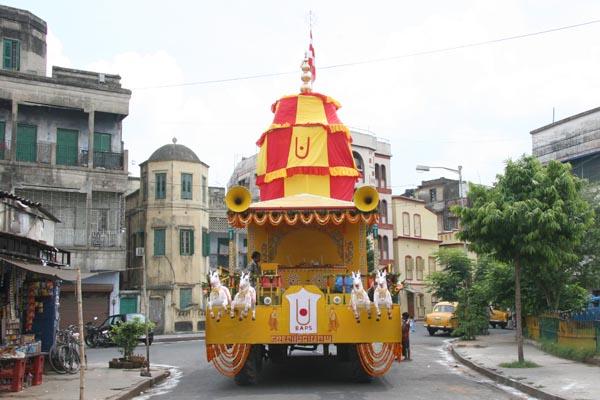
474,107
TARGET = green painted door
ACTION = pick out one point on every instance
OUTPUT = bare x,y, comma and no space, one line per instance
2,143
102,142
129,305
26,143
67,146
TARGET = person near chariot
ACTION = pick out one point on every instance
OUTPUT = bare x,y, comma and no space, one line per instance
406,336
253,268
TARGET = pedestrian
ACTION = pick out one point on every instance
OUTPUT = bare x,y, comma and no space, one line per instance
406,336
253,267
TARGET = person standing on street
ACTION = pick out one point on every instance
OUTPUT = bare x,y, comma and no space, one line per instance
406,336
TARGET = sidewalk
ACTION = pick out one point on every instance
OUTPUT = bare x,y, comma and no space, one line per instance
556,378
179,337
101,383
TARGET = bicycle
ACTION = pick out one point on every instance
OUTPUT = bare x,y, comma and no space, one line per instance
64,354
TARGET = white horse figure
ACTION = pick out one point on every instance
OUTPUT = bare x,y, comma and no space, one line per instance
382,295
359,299
245,298
219,297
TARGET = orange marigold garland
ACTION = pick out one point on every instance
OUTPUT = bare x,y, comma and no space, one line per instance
377,363
228,359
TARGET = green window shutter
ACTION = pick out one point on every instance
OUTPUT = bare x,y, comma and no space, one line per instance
2,142
161,185
159,242
185,298
67,146
181,239
102,142
191,242
6,54
186,186
11,54
26,142
205,243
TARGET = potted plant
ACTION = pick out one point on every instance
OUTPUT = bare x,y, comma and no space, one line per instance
126,336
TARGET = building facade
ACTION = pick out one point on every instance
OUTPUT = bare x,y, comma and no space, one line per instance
218,228
415,244
372,156
61,145
167,225
439,196
575,139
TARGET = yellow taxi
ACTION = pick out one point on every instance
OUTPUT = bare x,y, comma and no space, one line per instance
442,318
499,318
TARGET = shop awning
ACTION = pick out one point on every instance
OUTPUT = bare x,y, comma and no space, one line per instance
64,274
413,290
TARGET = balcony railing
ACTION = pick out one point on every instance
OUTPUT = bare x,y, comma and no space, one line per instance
40,152
108,160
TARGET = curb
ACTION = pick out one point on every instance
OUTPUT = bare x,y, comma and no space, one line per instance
178,339
143,386
530,390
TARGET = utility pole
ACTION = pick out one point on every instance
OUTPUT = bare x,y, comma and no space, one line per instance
81,338
145,372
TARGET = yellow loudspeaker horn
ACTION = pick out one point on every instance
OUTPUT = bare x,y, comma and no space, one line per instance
238,199
366,198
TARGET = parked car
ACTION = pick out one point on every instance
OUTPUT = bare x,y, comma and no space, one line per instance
499,318
119,318
442,318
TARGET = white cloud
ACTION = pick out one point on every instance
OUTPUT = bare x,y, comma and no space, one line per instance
55,53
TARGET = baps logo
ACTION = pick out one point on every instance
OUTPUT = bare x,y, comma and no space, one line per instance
303,311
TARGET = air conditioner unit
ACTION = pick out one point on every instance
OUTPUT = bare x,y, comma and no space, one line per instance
139,251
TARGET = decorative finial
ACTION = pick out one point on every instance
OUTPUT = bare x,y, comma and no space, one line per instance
306,76
174,140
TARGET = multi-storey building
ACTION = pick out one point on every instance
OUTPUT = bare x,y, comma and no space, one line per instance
372,157
415,244
61,145
218,228
167,224
575,139
439,196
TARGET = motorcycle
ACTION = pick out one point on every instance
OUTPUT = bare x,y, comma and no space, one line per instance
96,336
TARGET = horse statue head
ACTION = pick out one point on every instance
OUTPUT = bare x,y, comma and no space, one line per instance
215,281
356,281
381,280
245,280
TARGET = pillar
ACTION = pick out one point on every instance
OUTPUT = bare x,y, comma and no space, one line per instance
12,155
91,115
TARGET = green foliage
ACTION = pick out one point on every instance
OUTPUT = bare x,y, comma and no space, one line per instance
370,256
570,353
126,335
520,364
456,282
587,272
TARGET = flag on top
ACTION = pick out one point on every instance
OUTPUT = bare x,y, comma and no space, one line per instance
311,58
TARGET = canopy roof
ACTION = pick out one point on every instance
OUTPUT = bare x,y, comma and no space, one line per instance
303,201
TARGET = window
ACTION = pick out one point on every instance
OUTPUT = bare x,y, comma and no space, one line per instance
377,176
159,242
67,147
186,186
360,165
186,242
205,243
26,142
431,265
405,224
408,263
383,177
161,185
204,196
11,55
420,268
432,195
383,211
386,248
417,224
102,142
185,298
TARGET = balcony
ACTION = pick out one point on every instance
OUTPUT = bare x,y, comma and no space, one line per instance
40,152
104,159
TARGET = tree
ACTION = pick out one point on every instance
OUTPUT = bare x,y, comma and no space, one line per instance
126,335
458,282
534,217
587,272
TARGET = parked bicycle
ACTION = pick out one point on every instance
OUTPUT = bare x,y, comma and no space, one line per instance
64,354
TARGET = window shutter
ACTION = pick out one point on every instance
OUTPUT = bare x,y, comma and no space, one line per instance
181,232
191,242
6,54
159,242
17,60
205,243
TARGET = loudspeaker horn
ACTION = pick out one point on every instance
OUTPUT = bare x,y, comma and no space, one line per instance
238,199
366,198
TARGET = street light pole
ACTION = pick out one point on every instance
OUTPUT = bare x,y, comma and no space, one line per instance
145,372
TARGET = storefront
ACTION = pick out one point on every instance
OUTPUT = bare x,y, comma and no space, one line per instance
29,315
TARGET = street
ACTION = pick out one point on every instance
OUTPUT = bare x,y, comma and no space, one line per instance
432,374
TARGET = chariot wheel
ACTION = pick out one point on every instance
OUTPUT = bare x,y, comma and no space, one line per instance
248,375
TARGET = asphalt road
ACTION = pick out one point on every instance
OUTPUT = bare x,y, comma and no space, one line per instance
433,374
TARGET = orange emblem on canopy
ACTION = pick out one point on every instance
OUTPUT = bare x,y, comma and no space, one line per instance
306,150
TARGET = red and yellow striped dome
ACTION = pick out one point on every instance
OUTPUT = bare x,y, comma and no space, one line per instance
306,150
